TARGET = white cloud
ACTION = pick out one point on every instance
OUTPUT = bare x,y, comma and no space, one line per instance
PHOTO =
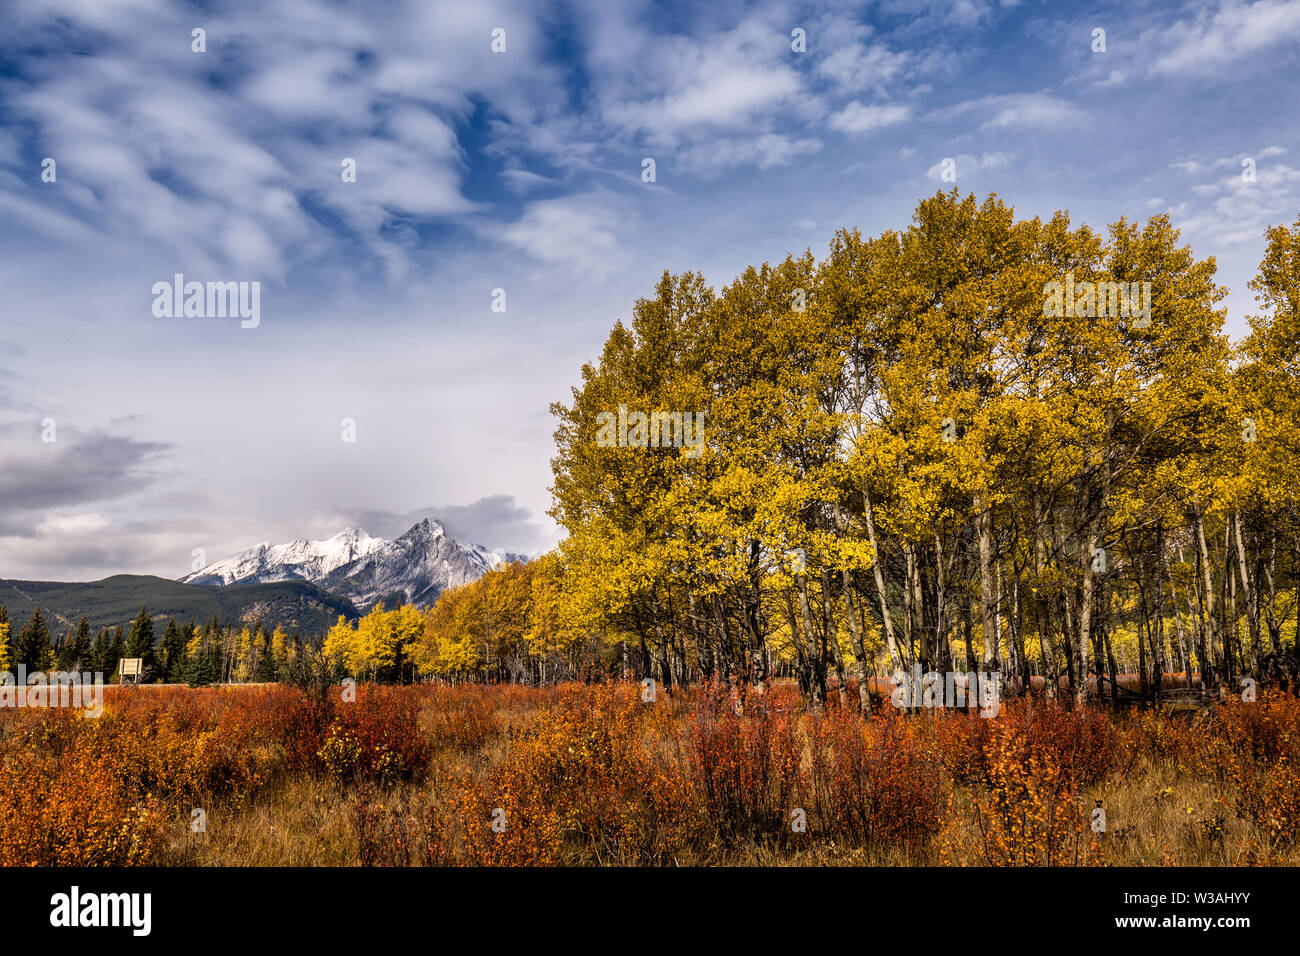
676,85
857,118
72,524
221,176
524,181
857,67
1019,110
764,151
575,231
968,163
1240,211
714,99
1229,33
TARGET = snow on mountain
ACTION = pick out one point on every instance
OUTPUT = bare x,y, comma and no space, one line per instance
416,567
421,564
300,560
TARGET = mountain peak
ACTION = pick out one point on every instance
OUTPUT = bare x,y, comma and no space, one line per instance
420,564
427,527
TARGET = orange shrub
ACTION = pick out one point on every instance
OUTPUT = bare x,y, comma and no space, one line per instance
462,718
745,769
873,781
376,737
75,810
1032,816
584,782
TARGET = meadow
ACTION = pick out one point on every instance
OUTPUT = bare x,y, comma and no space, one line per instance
593,774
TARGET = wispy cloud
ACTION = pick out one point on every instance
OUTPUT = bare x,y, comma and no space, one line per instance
1040,110
856,118
1216,37
577,231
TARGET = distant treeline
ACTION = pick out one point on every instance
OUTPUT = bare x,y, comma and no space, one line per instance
182,653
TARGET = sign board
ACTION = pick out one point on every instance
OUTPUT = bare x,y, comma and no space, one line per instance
131,666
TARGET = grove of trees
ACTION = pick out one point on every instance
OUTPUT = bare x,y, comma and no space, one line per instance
911,462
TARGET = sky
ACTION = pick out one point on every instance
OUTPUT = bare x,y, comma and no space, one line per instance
129,441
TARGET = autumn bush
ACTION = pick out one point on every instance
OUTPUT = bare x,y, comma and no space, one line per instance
394,830
462,718
874,781
76,811
1030,813
605,774
744,764
376,737
589,781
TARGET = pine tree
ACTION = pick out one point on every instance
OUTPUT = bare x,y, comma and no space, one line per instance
79,655
173,650
202,668
179,659
33,646
61,651
116,651
140,644
266,664
99,652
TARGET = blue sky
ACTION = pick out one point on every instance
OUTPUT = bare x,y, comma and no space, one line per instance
520,170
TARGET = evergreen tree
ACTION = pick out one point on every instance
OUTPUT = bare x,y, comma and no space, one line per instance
202,668
99,652
266,664
173,651
116,651
61,651
177,663
79,656
140,644
33,646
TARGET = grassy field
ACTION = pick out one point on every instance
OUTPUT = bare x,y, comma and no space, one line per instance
594,775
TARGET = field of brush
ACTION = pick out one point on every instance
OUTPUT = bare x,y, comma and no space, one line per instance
593,775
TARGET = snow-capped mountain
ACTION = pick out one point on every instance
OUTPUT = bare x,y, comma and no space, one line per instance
416,567
300,560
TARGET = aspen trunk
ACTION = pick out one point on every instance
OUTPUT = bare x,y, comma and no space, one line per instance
988,600
886,619
816,659
832,636
1252,599
1046,649
859,645
1206,598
